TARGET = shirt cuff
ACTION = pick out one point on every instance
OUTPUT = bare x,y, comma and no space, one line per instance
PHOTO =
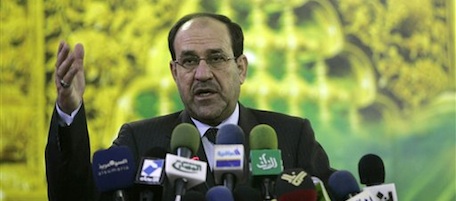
65,119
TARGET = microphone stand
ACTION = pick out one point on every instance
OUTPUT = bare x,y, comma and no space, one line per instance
180,183
267,186
119,195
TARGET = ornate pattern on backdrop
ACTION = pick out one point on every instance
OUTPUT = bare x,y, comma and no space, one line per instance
373,76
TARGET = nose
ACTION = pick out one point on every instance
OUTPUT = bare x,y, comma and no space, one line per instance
203,71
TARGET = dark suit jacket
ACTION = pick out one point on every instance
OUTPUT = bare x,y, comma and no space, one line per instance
68,166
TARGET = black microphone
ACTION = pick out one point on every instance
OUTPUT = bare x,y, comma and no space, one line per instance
372,173
114,170
295,185
371,170
219,193
150,175
181,171
229,155
246,193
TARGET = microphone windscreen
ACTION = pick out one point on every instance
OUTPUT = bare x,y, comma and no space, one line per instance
113,168
230,134
193,196
219,193
246,193
263,137
343,184
371,170
185,135
296,185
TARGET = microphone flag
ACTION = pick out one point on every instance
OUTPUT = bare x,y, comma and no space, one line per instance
383,192
228,158
151,171
266,162
194,172
113,168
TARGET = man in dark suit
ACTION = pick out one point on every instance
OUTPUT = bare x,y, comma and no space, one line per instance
208,67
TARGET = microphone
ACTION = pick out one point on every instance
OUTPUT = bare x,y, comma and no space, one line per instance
295,185
322,193
345,187
372,173
246,193
371,170
266,159
229,155
150,175
113,170
219,193
183,172
343,184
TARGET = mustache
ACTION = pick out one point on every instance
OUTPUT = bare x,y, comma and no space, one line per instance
205,87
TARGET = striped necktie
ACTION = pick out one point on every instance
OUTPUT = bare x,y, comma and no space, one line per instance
211,134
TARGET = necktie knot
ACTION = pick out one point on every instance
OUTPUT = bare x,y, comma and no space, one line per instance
211,134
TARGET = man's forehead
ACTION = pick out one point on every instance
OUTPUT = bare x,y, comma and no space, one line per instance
199,22
202,36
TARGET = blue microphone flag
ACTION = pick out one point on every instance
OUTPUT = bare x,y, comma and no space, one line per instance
113,168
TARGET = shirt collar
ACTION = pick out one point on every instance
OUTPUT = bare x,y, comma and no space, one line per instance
232,119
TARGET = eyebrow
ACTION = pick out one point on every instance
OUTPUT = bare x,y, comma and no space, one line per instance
209,51
212,51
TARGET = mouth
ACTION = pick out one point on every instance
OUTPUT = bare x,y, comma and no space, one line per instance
204,92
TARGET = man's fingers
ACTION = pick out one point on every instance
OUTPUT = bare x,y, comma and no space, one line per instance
77,64
60,47
68,63
61,44
63,68
62,54
79,51
70,75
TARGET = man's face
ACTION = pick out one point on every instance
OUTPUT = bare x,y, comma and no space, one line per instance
209,94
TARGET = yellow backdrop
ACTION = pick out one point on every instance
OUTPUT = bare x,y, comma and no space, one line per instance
373,76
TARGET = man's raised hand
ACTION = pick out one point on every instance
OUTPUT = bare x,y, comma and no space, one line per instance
69,76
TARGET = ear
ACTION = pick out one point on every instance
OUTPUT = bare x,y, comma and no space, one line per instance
172,68
242,64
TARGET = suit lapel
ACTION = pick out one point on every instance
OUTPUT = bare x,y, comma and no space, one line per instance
246,121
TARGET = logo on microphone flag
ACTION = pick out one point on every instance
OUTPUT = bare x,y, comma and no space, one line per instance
187,166
363,196
266,162
229,156
151,170
383,192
